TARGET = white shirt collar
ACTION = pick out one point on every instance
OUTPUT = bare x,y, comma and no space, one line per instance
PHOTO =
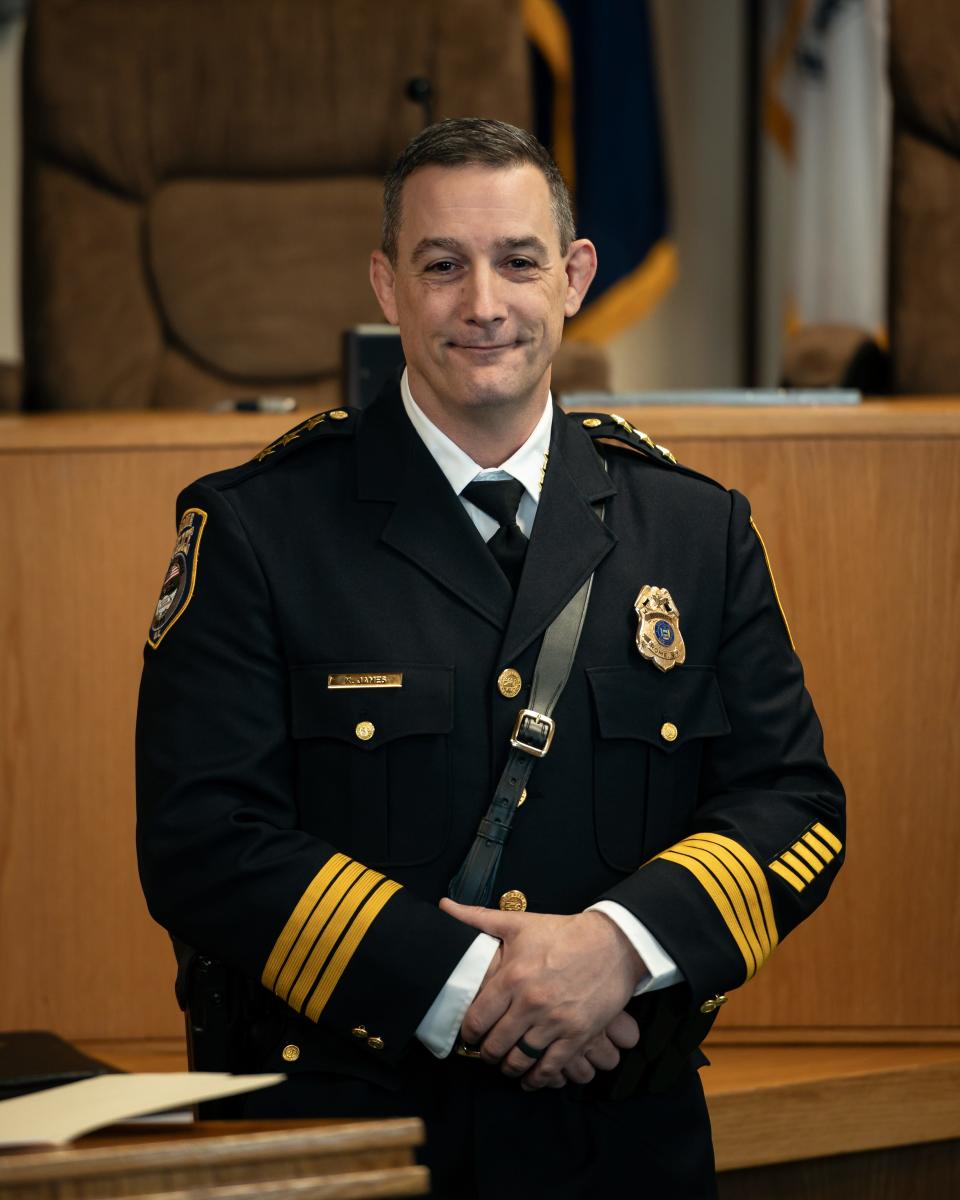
525,465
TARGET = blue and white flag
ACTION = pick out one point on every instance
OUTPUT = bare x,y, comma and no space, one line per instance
598,112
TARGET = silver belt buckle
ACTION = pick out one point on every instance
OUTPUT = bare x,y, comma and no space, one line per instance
532,732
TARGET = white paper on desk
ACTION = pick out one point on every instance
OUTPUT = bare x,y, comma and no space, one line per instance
61,1114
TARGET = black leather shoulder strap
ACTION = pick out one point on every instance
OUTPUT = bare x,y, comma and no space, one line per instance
532,734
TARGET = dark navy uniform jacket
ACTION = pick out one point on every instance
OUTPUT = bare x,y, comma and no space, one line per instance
303,832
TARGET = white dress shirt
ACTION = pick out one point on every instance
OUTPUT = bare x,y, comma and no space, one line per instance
439,1028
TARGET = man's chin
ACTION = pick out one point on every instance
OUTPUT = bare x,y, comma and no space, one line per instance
497,394
492,386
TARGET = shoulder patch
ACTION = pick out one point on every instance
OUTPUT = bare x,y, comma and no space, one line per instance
176,591
333,418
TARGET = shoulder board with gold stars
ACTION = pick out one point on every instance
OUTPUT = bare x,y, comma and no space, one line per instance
610,429
335,420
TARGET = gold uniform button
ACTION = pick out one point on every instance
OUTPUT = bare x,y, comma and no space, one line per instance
365,730
669,731
290,1053
711,1005
359,1031
509,683
338,415
513,901
592,423
375,1043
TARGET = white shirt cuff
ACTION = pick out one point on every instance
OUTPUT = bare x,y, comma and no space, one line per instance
440,1027
662,971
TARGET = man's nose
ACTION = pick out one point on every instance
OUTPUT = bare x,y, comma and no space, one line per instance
483,297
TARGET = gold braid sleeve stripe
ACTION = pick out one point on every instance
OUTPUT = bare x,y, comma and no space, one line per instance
730,875
803,851
755,871
345,951
785,873
719,898
815,844
828,837
801,868
337,915
311,931
752,918
295,921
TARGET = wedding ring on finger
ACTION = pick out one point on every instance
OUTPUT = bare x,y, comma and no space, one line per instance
530,1051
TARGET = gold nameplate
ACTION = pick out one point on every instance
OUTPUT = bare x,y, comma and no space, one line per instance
365,681
658,634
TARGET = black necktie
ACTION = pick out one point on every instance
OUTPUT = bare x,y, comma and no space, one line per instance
500,498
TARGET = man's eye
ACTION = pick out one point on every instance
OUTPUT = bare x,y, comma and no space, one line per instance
444,267
520,264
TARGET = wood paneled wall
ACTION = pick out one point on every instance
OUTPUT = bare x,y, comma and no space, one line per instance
860,511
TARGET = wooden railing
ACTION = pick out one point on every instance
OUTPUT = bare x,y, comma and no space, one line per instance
860,510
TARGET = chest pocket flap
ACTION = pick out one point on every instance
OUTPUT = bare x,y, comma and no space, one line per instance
416,699
666,710
652,729
373,763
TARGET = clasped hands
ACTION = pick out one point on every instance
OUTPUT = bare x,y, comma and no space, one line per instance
559,983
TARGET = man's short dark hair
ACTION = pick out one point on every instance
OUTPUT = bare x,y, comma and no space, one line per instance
473,141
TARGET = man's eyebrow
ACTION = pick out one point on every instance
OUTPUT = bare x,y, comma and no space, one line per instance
526,242
529,242
425,245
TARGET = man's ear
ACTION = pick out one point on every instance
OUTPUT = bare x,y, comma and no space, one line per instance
581,268
382,280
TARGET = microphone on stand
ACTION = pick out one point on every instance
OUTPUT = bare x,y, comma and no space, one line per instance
420,91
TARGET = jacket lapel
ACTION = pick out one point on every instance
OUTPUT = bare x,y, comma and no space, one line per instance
424,519
568,539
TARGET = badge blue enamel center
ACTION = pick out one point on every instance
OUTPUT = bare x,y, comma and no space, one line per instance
663,632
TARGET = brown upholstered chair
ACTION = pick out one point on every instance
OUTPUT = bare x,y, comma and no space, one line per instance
202,183
924,238
925,196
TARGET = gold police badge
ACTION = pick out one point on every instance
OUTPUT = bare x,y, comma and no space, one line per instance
658,634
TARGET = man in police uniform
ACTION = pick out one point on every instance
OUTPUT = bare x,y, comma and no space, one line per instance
347,630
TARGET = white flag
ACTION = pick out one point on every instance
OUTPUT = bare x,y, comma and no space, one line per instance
834,123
